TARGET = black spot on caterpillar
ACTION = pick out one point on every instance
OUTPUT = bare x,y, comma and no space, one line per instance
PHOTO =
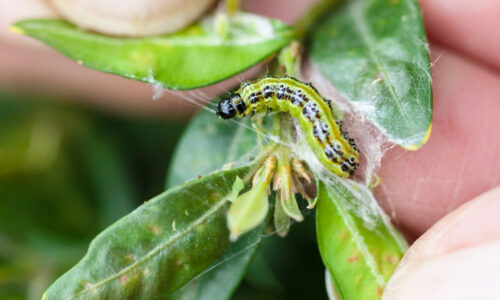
332,146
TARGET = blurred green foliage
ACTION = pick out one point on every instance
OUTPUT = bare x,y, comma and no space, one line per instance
66,174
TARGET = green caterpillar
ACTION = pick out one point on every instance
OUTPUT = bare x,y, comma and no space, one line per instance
333,148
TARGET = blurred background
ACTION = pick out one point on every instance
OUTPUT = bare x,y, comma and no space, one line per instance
66,173
79,149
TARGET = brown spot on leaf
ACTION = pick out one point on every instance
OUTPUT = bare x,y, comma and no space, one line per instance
378,78
130,257
123,279
380,290
353,258
393,259
154,229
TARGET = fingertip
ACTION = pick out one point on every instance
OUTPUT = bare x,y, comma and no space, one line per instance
468,273
472,223
457,256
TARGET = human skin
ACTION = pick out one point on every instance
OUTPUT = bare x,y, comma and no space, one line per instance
459,256
419,188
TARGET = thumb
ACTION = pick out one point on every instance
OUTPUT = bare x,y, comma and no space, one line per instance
457,258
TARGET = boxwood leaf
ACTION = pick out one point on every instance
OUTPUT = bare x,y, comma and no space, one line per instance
157,248
221,279
194,57
357,242
375,53
207,145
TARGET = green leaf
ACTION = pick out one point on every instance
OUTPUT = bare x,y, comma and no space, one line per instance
375,53
157,248
208,144
357,242
238,186
194,57
287,196
281,219
249,209
222,278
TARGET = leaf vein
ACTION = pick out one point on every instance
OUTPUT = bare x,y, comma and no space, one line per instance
157,249
355,10
358,240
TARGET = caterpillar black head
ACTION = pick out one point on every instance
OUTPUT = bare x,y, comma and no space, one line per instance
230,106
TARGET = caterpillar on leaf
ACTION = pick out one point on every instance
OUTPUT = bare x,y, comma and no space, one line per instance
333,148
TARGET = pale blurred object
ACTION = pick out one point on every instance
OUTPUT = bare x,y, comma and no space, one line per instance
132,18
29,66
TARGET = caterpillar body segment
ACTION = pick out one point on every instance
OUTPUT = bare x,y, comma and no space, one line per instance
333,148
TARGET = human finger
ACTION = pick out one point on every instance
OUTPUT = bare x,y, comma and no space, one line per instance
469,273
460,160
468,27
457,258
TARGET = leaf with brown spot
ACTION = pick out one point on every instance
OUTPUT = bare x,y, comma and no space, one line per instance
209,144
194,57
161,260
357,242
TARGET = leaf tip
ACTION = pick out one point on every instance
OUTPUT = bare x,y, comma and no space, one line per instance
238,186
16,30
427,134
297,217
415,147
312,204
233,236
